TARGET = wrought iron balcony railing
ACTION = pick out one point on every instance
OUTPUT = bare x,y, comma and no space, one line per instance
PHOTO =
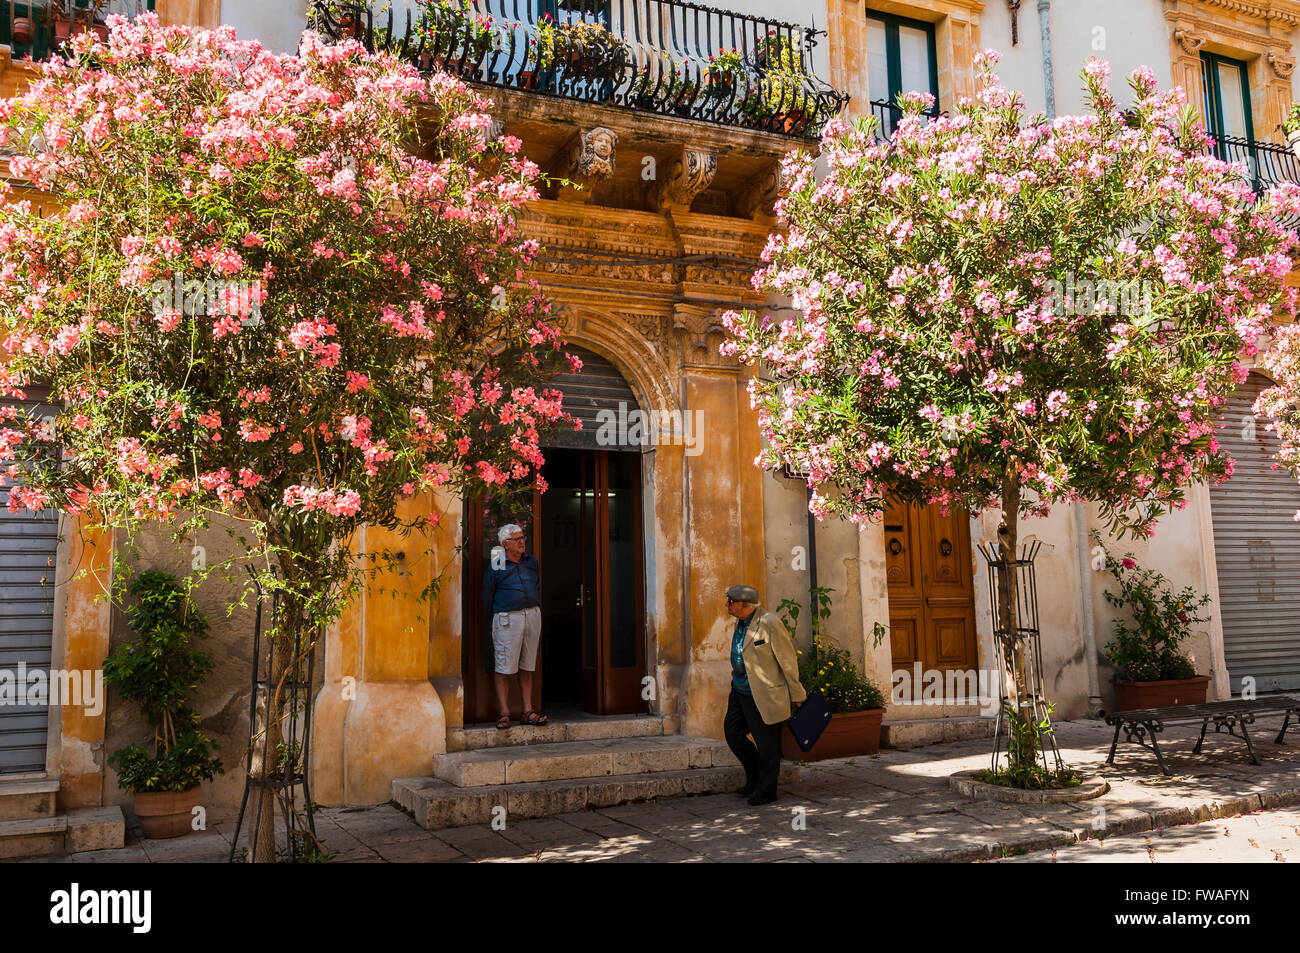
662,56
1267,164
887,117
36,28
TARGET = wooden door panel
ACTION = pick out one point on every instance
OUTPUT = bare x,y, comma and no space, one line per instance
903,628
931,595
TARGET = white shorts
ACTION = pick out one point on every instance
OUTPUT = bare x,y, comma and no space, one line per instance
515,636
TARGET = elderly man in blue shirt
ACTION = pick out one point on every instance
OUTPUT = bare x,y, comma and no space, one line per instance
512,593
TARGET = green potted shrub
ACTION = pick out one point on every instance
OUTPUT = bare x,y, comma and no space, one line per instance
1291,126
778,100
159,670
582,47
856,703
1156,672
724,68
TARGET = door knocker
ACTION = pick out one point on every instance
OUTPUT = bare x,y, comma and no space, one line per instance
895,546
945,547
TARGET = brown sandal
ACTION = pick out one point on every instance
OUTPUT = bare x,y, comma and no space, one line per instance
533,718
503,722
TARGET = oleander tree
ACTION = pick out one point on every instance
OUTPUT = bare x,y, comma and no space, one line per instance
995,311
1280,403
287,291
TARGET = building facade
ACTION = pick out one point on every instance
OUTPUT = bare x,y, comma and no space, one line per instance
659,206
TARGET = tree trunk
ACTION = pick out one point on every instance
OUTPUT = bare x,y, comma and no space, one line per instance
1008,590
262,836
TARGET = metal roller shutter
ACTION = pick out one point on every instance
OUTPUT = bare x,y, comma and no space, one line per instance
598,386
1257,552
28,546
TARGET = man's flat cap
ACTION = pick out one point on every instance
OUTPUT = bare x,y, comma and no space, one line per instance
742,594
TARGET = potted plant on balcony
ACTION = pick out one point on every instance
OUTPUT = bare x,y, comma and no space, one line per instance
778,99
59,20
1147,652
582,47
158,670
857,704
724,68
1291,126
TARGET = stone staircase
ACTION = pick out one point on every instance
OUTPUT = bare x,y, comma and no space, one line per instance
566,766
30,825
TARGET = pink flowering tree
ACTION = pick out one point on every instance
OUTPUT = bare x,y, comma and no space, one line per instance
1280,404
997,311
286,290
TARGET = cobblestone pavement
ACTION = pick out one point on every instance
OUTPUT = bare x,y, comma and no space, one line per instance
892,807
1261,837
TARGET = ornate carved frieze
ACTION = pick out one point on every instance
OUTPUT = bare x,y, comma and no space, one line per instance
686,177
585,161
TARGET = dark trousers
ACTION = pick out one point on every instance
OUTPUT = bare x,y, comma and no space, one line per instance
761,757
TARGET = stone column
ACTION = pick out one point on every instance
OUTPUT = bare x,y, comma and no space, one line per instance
724,512
378,715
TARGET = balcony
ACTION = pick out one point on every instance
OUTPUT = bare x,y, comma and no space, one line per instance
36,28
660,56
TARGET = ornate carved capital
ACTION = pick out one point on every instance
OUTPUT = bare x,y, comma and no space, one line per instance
586,160
1282,65
1189,41
761,194
699,331
686,178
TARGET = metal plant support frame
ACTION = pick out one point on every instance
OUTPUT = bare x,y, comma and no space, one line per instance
1026,631
296,693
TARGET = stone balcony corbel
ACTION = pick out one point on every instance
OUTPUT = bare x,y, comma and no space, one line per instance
587,160
758,199
688,174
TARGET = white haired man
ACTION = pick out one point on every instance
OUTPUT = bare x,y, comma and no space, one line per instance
764,685
512,593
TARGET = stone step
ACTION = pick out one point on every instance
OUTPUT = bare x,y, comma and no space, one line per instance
477,737
917,732
437,804
930,712
27,799
32,837
95,828
562,761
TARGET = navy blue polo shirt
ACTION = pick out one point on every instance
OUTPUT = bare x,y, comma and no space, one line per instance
517,586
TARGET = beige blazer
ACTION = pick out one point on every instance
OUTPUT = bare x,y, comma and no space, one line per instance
772,667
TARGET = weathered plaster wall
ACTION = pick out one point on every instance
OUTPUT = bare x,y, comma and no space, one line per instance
222,699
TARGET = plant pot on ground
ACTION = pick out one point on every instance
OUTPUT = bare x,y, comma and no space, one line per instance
158,670
856,704
1147,650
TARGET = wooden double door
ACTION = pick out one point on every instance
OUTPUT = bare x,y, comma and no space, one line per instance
931,590
586,533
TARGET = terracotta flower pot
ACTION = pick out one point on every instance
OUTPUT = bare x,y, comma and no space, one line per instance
22,32
1133,696
62,30
165,813
853,733
101,31
527,79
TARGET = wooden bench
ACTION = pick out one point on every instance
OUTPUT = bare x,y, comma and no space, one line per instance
1146,723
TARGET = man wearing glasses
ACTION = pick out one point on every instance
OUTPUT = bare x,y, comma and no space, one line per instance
764,685
512,593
